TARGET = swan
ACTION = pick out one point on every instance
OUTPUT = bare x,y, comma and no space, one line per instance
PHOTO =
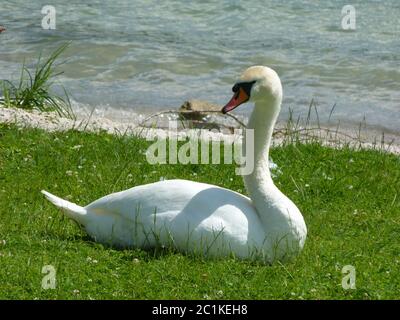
201,218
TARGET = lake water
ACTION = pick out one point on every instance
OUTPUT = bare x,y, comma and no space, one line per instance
144,56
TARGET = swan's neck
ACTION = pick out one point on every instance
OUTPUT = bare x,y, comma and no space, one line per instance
262,122
259,184
282,222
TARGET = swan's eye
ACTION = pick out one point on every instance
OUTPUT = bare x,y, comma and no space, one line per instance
246,86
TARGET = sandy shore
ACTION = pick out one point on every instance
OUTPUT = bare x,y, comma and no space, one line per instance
330,136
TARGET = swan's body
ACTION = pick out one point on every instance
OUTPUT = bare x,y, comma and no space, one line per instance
201,218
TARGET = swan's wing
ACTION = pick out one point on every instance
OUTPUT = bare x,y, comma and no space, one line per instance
170,196
188,212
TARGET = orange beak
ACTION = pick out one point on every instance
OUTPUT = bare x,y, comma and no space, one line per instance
238,98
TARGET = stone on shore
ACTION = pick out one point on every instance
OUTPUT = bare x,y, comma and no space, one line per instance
197,109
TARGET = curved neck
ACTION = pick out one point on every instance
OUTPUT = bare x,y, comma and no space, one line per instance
259,184
262,121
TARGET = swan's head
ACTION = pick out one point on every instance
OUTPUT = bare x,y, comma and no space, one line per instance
257,83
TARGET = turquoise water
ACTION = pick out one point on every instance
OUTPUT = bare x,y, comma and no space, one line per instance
144,56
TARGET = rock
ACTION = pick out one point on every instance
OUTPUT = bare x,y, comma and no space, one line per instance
2,29
197,109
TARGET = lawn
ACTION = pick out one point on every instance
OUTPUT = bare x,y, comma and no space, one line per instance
349,198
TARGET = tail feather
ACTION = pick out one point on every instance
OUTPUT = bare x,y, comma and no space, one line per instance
72,210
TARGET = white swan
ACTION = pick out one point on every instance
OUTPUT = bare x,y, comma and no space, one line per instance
201,218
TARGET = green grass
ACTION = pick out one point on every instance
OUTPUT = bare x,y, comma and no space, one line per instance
350,201
33,90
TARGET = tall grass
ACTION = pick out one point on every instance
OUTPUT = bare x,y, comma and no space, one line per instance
33,90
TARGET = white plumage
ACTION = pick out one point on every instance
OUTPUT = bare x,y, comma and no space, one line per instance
201,218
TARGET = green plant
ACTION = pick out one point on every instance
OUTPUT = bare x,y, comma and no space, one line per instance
349,199
33,89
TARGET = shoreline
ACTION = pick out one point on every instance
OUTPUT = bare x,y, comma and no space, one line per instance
332,136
